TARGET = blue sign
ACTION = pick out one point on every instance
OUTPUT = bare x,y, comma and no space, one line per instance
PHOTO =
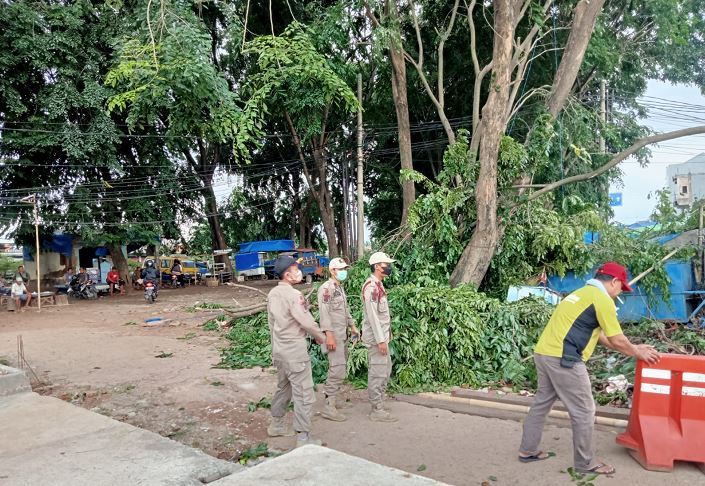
615,198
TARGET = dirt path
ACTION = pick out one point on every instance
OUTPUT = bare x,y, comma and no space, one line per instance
98,355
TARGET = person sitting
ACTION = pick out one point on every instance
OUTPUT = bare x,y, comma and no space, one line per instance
114,279
83,277
177,271
20,294
21,272
68,276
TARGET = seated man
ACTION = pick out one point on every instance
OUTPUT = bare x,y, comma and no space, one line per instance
21,272
114,279
83,277
20,294
177,271
68,276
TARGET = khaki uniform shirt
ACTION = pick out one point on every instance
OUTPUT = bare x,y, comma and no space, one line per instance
333,307
289,321
377,324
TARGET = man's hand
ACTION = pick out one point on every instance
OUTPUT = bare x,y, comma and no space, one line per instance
320,339
354,332
648,353
383,348
330,340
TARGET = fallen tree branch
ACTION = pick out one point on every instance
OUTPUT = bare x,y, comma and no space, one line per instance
230,284
639,144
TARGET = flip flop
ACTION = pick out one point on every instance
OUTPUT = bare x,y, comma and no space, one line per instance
534,457
594,469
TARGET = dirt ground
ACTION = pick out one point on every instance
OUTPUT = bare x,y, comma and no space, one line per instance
100,355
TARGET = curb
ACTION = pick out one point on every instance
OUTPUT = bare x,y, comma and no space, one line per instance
13,381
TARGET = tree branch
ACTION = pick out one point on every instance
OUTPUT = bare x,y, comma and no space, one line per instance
299,149
639,144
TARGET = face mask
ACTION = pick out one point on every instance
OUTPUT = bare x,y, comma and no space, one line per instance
341,275
297,276
387,270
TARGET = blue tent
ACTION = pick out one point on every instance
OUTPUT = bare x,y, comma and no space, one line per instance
272,245
59,243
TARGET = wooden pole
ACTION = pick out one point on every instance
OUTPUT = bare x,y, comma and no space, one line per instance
360,201
603,113
39,268
651,269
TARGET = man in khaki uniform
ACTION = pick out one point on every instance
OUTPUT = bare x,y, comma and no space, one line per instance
289,322
335,322
376,335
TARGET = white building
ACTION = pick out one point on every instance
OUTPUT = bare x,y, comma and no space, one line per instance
686,181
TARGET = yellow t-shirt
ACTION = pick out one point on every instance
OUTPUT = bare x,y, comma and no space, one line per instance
574,328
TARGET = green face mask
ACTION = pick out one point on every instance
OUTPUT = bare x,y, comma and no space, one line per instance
341,275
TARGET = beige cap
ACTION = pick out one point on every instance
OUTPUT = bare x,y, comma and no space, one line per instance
380,257
338,264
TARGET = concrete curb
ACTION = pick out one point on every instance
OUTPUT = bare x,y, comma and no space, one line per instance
13,381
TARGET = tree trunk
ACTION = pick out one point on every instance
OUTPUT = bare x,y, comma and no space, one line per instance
401,105
120,262
324,204
476,257
580,33
214,223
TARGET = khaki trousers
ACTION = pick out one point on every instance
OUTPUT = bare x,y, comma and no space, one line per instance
337,364
379,369
572,386
294,381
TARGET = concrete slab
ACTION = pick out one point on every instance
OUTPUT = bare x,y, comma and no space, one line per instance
49,442
13,381
313,465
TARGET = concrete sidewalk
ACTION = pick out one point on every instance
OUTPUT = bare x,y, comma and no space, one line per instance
314,466
46,441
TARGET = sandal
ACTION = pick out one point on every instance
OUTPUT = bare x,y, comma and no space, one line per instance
594,469
539,456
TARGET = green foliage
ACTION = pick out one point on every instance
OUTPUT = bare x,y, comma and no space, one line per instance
264,402
250,344
260,450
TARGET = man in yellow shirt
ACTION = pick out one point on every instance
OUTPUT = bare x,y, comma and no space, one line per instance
581,320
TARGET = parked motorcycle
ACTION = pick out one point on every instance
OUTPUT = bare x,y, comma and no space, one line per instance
150,291
79,290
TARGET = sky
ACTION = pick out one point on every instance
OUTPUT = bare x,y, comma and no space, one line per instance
639,181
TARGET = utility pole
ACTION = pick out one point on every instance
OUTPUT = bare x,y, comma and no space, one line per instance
360,202
33,201
603,113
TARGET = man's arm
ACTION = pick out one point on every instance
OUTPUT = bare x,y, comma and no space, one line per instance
621,343
372,314
300,312
324,316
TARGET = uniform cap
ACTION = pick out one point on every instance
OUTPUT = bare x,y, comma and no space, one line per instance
338,264
380,257
614,269
283,263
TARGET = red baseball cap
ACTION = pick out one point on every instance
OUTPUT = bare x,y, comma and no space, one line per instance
614,269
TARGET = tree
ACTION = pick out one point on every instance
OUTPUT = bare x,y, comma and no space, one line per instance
308,93
92,179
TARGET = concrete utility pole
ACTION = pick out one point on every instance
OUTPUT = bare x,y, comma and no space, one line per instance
603,112
360,202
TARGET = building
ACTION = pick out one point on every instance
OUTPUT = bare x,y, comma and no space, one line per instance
686,181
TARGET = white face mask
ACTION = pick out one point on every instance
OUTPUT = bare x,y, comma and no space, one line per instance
296,276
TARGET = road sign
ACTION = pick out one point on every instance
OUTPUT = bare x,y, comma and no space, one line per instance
615,198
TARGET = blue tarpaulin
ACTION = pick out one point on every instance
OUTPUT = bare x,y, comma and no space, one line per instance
272,245
59,243
246,261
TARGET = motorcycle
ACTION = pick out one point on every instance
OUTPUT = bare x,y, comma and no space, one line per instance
79,290
150,291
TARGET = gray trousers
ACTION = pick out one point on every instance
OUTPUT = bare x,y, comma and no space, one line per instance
294,381
572,386
379,369
337,364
